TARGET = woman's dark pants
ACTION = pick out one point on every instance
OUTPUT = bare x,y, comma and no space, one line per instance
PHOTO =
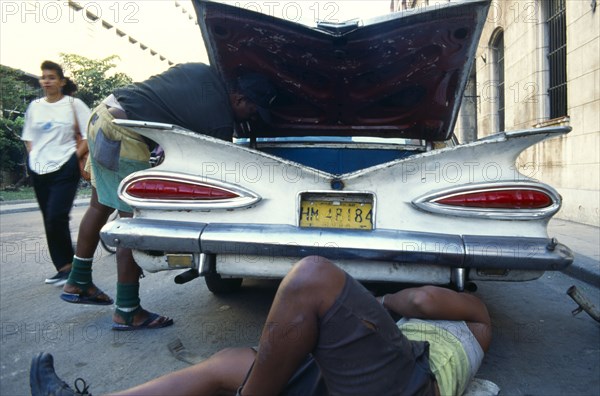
55,194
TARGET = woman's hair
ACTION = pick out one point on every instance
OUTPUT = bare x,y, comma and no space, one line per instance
70,87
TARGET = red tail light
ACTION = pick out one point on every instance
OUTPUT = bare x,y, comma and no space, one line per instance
506,201
176,190
499,199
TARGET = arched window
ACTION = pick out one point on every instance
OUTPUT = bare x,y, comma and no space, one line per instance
497,47
556,28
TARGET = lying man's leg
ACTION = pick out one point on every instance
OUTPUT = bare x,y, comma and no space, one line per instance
360,350
292,327
221,374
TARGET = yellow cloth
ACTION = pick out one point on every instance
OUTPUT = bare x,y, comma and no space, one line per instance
133,146
447,357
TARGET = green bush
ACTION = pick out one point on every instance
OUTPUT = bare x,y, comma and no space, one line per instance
12,159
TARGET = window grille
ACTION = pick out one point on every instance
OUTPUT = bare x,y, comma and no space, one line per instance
498,48
557,57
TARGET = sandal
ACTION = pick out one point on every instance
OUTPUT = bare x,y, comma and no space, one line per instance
97,298
153,321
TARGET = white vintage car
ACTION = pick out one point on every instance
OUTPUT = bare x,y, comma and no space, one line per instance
357,163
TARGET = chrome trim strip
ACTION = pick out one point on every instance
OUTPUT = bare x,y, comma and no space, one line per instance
338,142
291,241
246,197
349,146
144,234
515,253
143,124
428,202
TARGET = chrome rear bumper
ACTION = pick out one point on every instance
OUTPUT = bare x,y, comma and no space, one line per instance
402,247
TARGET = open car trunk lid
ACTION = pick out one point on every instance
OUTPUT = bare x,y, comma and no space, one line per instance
398,75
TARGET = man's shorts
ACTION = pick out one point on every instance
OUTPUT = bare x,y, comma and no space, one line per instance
115,153
361,351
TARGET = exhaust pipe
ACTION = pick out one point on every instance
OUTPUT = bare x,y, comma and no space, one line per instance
584,304
187,276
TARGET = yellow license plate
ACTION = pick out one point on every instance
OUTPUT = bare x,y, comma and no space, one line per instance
336,214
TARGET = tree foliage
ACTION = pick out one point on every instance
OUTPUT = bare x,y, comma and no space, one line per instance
93,76
12,157
95,79
15,95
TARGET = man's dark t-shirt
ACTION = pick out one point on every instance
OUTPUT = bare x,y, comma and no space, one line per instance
190,95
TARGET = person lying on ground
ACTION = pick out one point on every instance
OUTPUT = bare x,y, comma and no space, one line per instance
325,334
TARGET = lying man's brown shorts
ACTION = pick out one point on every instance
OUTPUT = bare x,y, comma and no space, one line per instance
361,351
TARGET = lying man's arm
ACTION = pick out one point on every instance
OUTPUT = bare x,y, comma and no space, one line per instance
432,302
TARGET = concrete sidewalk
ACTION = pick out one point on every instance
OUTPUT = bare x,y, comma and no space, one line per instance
583,239
27,206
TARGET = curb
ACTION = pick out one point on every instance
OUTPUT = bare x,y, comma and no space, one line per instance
583,269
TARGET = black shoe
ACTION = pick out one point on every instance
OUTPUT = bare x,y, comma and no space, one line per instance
44,381
59,279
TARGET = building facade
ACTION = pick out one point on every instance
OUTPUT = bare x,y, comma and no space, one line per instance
147,36
538,65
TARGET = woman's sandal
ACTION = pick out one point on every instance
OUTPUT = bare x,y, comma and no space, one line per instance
154,321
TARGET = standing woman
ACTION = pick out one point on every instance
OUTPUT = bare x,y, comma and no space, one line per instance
52,124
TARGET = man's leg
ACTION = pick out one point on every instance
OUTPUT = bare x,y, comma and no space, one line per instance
80,280
89,229
221,374
129,314
292,326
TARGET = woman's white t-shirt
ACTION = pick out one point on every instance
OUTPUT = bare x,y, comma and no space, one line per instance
50,127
